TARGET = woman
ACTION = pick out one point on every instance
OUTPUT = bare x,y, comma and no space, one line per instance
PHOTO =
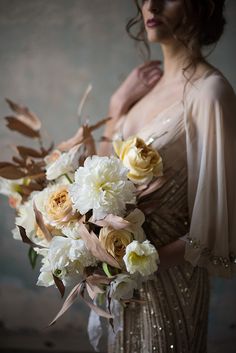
190,112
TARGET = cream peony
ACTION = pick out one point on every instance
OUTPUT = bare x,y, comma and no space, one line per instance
141,257
102,186
63,164
59,207
55,205
143,161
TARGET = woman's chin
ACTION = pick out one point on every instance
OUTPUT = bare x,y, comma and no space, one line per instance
154,37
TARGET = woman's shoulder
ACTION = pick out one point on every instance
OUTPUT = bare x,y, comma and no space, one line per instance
211,87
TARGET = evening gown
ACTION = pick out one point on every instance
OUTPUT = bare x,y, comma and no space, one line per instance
196,137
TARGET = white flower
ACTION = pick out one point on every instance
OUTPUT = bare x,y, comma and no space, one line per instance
26,218
66,259
43,200
102,186
66,163
141,257
11,188
72,229
123,287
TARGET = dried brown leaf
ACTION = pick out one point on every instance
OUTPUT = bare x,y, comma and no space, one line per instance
41,224
152,187
11,172
100,123
96,279
75,140
93,290
93,307
18,161
60,285
93,244
5,164
25,115
112,221
16,125
24,236
68,302
26,151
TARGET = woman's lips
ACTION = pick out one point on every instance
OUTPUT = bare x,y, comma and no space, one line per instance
153,23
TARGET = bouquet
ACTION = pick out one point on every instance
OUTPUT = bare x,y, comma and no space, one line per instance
83,214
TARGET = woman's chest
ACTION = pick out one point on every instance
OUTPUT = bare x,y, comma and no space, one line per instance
148,110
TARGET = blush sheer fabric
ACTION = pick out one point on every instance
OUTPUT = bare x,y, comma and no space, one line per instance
196,137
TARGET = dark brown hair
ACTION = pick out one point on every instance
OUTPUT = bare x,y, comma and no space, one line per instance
202,25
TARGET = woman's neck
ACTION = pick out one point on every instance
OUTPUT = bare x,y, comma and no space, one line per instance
176,59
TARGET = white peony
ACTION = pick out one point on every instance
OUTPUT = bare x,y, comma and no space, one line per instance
26,218
141,257
66,259
102,186
123,287
66,163
11,188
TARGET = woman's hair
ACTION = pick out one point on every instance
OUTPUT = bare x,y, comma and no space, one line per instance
202,25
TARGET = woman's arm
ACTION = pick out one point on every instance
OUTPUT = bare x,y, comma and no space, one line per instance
171,254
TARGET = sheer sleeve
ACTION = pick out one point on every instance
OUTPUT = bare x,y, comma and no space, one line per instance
210,122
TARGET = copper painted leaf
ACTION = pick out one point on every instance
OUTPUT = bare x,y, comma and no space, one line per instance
46,151
99,279
28,189
93,290
16,125
26,151
18,161
41,224
95,308
5,164
68,302
25,115
153,186
93,244
75,140
60,285
83,135
24,236
11,172
100,123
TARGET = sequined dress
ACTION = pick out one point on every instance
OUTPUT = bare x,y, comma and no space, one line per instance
191,137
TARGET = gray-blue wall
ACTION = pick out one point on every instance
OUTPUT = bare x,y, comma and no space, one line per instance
50,50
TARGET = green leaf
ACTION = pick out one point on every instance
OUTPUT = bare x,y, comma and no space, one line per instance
32,257
106,269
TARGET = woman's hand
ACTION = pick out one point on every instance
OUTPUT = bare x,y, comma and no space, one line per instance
138,83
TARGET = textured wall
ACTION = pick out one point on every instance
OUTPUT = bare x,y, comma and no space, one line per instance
49,52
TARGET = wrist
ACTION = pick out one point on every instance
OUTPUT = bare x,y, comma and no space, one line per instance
118,106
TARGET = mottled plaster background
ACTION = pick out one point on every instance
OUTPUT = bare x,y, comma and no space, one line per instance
49,52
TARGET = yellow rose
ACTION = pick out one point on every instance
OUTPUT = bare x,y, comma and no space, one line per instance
143,161
59,207
115,241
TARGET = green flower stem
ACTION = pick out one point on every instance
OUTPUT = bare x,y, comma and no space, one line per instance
68,178
106,270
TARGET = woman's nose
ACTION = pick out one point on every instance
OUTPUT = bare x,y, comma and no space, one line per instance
155,5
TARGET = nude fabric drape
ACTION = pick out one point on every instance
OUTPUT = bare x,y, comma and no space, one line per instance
196,137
